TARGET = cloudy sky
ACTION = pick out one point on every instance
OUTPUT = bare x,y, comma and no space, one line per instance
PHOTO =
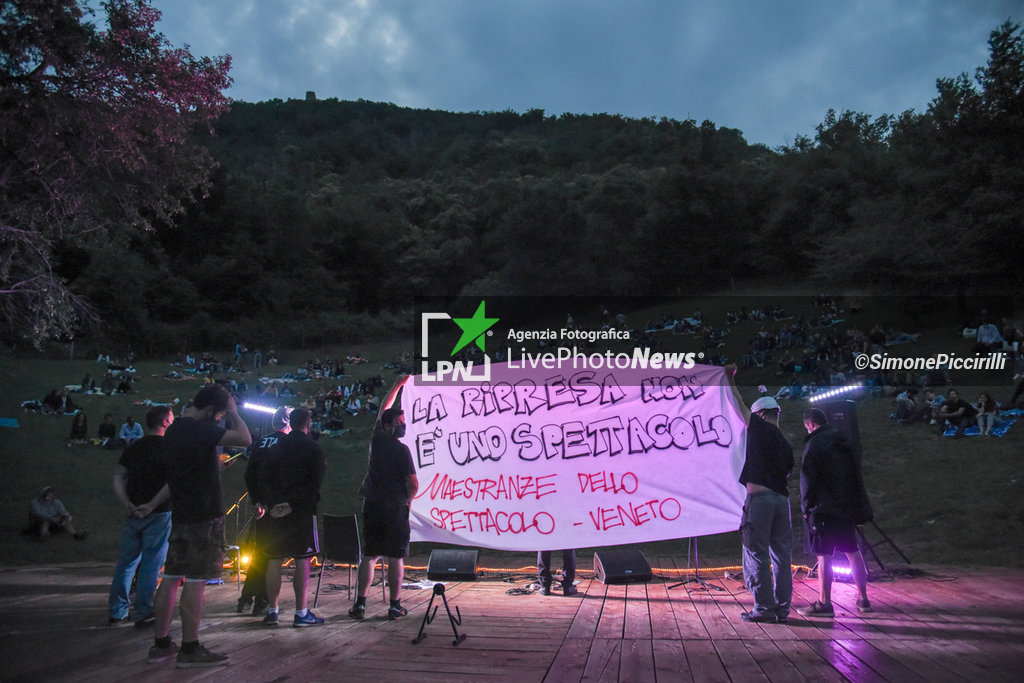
770,69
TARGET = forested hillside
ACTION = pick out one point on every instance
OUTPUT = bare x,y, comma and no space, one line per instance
326,217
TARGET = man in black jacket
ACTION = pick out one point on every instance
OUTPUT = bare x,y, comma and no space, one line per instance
833,501
290,480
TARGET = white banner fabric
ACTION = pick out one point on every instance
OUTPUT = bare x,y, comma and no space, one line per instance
538,461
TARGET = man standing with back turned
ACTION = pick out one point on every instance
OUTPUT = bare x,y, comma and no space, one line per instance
140,483
766,526
388,489
290,482
195,552
834,502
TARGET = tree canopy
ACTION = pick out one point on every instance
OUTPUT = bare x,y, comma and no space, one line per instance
324,218
97,139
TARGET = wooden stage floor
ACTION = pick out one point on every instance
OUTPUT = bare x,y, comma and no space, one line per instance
950,624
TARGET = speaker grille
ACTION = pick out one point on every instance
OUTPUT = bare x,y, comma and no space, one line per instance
452,565
621,566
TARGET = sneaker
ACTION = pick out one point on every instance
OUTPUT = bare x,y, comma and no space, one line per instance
309,620
259,606
270,619
569,591
243,606
762,618
201,657
158,655
143,622
818,609
863,605
396,612
357,611
118,621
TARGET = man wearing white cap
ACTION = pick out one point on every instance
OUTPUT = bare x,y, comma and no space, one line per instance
766,526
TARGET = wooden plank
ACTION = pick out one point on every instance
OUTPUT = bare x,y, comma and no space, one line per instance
570,661
613,613
603,660
809,663
584,624
636,660
738,662
845,663
921,630
670,661
773,664
704,662
637,614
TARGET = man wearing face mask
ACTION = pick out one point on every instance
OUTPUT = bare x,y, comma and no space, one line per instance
388,489
195,552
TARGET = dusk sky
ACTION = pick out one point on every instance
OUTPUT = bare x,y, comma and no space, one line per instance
770,69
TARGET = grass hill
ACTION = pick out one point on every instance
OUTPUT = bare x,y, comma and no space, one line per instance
941,500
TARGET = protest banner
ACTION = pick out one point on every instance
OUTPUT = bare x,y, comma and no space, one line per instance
540,458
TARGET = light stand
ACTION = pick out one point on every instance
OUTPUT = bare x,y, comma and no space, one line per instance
696,570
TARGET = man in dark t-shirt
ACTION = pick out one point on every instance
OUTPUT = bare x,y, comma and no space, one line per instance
196,548
290,482
766,526
388,489
140,483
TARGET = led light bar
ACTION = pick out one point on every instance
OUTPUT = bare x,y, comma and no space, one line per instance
835,392
259,408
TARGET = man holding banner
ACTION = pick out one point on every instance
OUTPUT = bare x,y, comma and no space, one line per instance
766,526
388,489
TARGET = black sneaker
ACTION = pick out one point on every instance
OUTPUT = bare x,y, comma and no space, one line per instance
763,618
119,621
396,612
259,606
569,591
243,606
357,611
818,609
146,621
158,655
199,658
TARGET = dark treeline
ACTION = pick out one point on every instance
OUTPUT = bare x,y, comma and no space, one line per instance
326,217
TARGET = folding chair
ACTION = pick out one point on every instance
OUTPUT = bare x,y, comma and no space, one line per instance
341,544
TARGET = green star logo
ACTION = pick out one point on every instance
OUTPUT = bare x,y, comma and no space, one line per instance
473,329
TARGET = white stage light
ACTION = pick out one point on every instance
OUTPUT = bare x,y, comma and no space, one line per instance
259,408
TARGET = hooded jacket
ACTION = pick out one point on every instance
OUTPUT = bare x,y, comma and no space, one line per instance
830,478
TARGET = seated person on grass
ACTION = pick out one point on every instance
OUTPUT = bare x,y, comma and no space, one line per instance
79,435
906,405
988,411
130,431
47,515
107,431
957,412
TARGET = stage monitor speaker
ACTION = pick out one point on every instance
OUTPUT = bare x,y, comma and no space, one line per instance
452,565
621,566
843,416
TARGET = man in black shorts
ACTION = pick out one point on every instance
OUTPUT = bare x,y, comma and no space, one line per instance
290,480
388,489
195,552
833,501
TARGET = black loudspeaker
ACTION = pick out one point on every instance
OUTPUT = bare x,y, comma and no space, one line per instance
843,416
452,565
621,566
